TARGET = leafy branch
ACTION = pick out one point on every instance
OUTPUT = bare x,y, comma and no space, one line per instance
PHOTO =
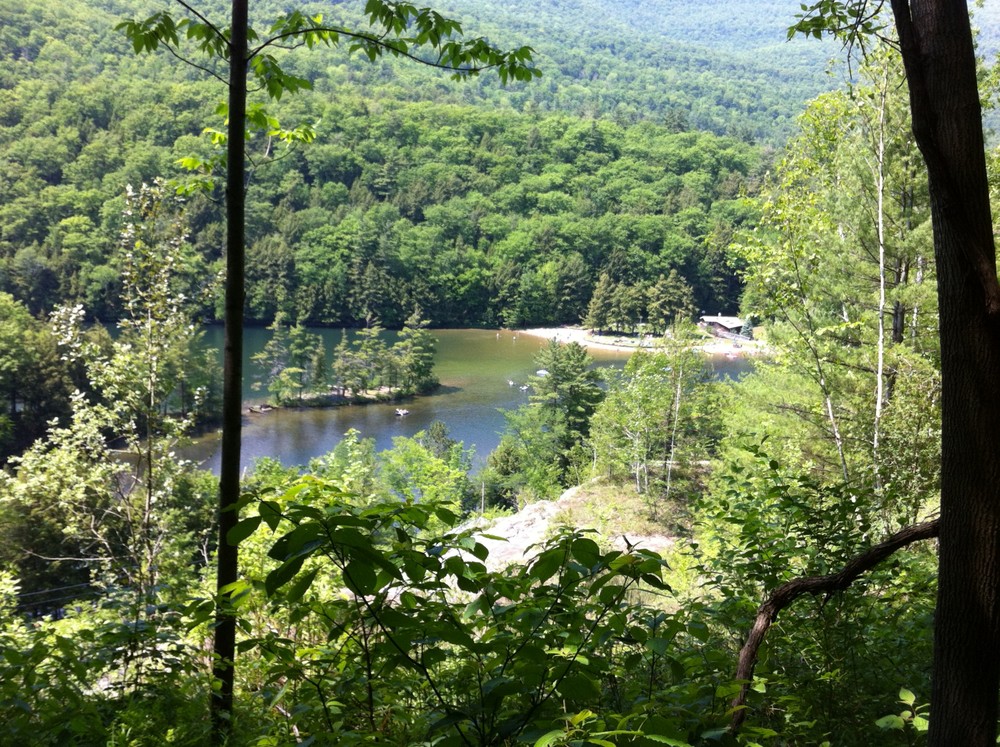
491,666
427,29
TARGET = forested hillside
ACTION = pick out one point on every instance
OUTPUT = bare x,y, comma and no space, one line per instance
475,201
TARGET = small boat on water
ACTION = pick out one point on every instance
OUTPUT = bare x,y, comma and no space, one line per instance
400,412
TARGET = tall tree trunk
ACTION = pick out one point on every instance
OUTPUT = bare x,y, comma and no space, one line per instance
880,388
937,49
673,430
915,314
224,642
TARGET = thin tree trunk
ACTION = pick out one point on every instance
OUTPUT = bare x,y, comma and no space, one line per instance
820,376
673,431
880,226
224,641
916,310
834,429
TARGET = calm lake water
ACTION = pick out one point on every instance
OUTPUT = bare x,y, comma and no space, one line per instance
474,367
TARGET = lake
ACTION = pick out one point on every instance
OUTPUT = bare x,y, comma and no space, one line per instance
474,366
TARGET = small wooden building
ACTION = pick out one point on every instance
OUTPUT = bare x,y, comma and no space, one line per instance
723,326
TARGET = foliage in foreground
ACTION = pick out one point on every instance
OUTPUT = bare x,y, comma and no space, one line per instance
382,620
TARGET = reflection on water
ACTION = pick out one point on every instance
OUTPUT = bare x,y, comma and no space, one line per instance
475,367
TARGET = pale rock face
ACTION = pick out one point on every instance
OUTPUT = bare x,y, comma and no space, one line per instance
525,531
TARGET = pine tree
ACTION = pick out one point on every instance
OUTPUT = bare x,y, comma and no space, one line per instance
415,352
600,307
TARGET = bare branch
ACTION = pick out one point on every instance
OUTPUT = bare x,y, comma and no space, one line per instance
204,20
788,592
193,64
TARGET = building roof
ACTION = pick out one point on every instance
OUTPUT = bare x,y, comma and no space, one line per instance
729,322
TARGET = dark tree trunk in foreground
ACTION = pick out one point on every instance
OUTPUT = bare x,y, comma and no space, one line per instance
938,54
224,643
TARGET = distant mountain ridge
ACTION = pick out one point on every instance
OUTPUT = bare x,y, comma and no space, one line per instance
723,66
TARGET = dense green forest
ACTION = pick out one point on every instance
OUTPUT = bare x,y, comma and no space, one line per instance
479,216
666,162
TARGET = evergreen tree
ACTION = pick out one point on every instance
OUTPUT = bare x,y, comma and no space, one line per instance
371,356
569,388
599,310
345,367
274,358
414,353
306,356
670,299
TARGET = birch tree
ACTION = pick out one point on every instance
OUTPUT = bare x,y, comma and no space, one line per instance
845,225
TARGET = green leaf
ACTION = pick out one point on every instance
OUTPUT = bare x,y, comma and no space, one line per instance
638,634
455,566
300,587
699,630
715,734
191,163
553,737
349,537
579,686
280,694
586,551
609,594
446,516
658,646
282,574
532,653
243,529
727,690
907,697
495,690
892,721
453,634
359,578
546,565
479,606
301,541
654,581
270,512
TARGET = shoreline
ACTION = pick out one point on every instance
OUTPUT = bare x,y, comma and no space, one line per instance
329,400
710,346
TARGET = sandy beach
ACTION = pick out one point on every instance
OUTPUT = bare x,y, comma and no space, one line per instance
711,346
